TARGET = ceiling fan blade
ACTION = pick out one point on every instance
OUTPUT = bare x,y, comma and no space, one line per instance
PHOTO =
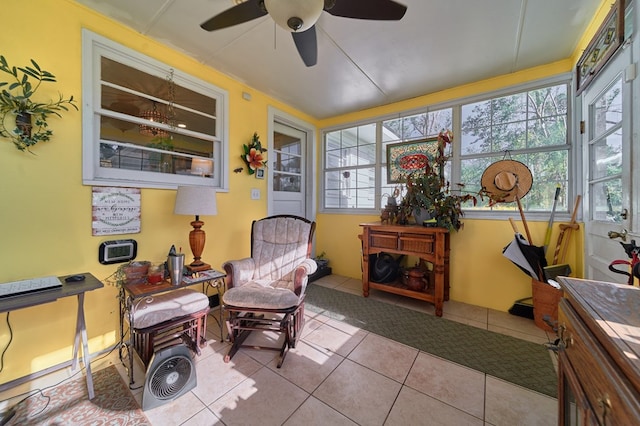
307,45
381,10
239,14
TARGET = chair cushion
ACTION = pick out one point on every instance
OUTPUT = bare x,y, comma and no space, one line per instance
279,245
254,295
162,307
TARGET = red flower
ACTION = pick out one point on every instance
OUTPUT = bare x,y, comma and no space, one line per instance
255,159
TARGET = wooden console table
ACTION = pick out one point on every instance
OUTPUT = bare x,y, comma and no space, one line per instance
599,353
428,244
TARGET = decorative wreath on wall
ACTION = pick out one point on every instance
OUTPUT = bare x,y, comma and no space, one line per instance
253,154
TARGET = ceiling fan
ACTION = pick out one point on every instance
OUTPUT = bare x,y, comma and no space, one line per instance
300,16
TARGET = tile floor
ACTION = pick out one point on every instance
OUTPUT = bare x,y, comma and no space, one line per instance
341,375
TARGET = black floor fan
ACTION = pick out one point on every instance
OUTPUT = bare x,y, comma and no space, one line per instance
171,374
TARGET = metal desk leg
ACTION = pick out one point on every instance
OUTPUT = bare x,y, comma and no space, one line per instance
81,332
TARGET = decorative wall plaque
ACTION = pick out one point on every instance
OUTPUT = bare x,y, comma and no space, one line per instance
115,211
603,45
405,158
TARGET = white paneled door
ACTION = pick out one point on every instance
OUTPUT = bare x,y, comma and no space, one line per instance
287,161
606,112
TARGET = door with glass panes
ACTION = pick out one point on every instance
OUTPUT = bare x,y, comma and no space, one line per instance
606,138
287,174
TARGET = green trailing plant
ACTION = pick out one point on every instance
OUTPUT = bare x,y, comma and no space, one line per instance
22,119
429,190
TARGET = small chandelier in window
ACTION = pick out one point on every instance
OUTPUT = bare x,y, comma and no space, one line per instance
157,117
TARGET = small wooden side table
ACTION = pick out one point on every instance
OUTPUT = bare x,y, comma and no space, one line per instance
428,244
130,293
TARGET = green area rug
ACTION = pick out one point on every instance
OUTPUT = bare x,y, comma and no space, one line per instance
514,360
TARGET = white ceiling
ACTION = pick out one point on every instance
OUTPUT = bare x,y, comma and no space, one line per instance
438,44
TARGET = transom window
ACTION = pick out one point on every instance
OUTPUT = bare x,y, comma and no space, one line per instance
528,126
148,125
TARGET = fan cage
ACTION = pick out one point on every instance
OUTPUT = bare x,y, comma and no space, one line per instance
170,377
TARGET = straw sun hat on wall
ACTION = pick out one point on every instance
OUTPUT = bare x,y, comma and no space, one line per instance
506,179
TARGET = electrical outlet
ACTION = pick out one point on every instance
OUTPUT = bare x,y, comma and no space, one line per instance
255,194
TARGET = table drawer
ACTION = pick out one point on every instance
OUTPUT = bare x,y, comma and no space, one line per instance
383,240
609,393
417,243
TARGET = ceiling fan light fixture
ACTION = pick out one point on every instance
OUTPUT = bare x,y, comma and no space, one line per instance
294,15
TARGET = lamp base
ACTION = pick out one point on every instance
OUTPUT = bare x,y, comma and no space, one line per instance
198,268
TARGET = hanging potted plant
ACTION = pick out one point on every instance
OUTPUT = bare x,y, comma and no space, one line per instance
22,119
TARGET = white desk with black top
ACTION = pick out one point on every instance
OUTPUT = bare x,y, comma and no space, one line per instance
39,298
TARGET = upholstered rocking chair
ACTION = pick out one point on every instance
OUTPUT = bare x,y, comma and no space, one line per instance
266,291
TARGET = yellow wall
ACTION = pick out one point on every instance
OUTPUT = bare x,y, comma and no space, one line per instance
45,211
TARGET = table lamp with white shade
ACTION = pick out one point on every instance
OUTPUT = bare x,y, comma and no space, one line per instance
196,200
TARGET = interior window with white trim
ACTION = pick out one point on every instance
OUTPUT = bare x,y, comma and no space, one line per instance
147,124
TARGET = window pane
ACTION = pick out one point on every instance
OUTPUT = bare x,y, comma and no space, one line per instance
607,156
471,175
332,158
349,157
286,183
439,120
476,140
129,157
608,110
333,141
367,154
547,132
509,136
547,102
607,200
392,130
286,163
509,108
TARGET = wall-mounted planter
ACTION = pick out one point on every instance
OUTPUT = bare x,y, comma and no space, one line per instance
23,120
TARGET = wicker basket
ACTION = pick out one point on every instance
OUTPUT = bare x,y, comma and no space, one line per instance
416,243
545,304
383,240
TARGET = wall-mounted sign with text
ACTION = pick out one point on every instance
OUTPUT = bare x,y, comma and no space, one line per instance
115,211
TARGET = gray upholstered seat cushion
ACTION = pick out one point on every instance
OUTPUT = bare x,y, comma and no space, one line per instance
162,307
255,295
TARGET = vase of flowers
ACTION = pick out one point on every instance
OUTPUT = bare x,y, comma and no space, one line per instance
428,196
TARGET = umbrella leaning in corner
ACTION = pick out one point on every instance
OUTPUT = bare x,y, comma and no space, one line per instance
529,258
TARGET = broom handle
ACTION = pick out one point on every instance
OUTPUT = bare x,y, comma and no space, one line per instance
524,221
547,237
513,225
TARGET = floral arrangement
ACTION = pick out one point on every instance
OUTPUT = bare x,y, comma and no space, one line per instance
253,154
429,190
